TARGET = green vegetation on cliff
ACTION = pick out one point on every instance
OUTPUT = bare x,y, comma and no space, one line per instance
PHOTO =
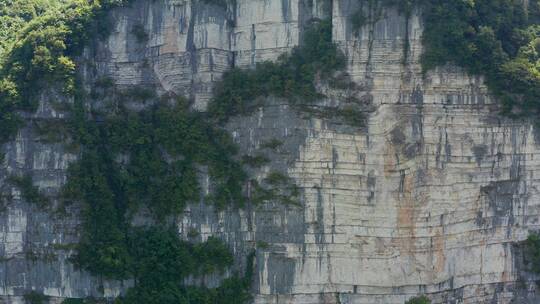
152,159
293,78
34,297
498,39
532,252
149,160
29,192
161,149
15,14
41,56
128,161
161,263
419,300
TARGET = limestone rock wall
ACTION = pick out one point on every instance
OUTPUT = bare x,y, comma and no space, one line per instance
430,198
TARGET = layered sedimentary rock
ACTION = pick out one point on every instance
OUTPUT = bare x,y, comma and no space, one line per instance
431,197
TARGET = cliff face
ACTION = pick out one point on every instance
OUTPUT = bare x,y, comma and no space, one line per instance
431,197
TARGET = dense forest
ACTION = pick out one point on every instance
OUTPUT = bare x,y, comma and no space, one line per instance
40,41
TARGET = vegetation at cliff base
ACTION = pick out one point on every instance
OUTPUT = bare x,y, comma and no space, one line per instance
161,263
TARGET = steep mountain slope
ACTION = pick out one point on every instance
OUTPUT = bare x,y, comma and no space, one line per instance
433,194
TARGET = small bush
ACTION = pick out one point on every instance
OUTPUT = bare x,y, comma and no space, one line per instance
419,300
277,187
532,252
220,3
358,20
140,33
50,130
29,192
73,301
275,178
88,300
35,297
139,94
353,118
255,161
272,144
262,245
193,233
104,82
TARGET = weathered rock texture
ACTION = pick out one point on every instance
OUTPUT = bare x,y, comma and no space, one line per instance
431,198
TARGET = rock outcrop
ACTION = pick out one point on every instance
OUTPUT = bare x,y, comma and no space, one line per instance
431,197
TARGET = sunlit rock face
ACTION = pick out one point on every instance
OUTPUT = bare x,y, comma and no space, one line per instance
431,197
